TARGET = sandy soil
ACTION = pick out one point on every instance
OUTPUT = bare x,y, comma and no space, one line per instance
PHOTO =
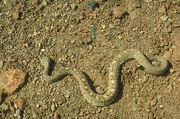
73,33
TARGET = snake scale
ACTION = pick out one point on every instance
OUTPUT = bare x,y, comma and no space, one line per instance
112,86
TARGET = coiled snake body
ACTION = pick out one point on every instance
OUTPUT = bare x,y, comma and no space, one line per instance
112,88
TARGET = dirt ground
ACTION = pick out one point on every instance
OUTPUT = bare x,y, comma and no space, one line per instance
88,35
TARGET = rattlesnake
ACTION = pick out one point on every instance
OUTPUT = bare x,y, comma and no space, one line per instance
112,88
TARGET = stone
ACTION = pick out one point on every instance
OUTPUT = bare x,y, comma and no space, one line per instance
117,12
164,18
12,79
1,63
15,15
73,6
53,107
99,90
35,2
19,103
4,107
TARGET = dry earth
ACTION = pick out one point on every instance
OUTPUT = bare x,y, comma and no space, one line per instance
72,33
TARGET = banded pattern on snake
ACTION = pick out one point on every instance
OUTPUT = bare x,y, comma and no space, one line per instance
112,88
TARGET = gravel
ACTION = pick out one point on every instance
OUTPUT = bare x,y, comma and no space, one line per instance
62,30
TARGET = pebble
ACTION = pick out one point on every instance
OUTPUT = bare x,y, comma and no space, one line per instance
12,79
45,106
164,18
169,88
111,26
44,3
148,0
162,9
12,109
57,116
103,26
24,62
117,12
15,15
18,114
99,90
134,14
161,106
19,103
93,4
143,80
1,63
4,107
93,32
34,2
74,6
119,37
53,107
162,0
153,102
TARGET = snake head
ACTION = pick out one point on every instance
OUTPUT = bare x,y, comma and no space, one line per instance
45,61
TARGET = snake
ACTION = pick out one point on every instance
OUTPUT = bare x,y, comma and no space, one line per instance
109,96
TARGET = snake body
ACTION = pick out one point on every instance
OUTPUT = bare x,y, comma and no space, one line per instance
112,89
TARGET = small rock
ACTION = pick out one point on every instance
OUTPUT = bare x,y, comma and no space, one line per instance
119,37
35,2
103,26
178,80
134,14
57,116
4,107
52,107
153,102
1,92
45,106
44,3
99,90
117,12
24,62
80,56
19,103
93,32
85,30
133,4
12,109
1,63
111,26
144,80
79,1
12,79
161,106
15,15
176,44
162,0
62,99
99,1
148,1
93,4
169,88
73,6
167,55
162,9
18,114
66,5
164,18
